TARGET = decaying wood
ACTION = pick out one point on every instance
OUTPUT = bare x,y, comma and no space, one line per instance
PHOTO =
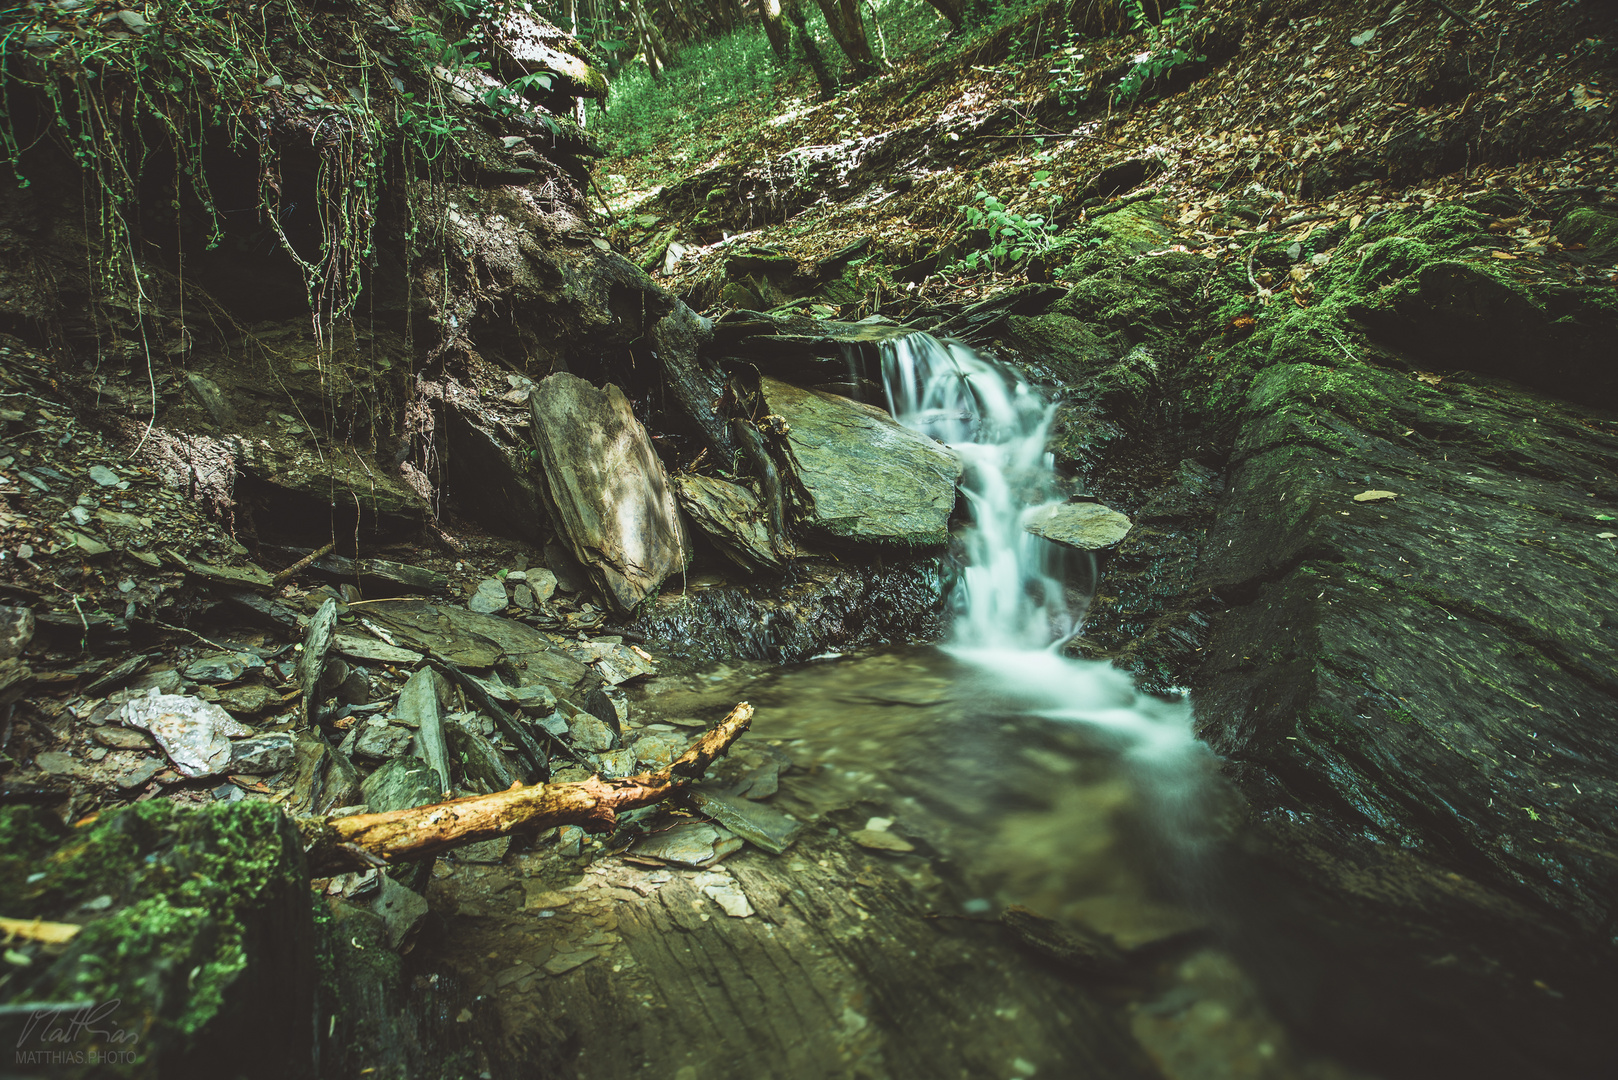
287,575
336,846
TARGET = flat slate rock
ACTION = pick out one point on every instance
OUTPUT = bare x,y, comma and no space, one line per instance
606,489
858,476
732,517
470,639
1086,526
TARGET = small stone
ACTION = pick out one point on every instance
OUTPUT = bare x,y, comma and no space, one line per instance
16,631
378,740
616,764
563,962
401,908
542,582
263,754
122,738
100,473
656,751
58,763
880,841
1086,526
141,774
489,598
484,851
730,898
569,840
193,733
589,735
523,597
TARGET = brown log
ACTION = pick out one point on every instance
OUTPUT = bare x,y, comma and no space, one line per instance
339,845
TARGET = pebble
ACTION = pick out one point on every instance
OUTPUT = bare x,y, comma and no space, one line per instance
103,476
489,598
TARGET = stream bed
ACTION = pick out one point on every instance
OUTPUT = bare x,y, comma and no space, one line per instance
936,799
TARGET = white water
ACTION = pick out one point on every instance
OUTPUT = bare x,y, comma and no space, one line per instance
1012,608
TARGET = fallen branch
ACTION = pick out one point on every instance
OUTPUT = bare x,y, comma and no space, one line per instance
339,845
286,575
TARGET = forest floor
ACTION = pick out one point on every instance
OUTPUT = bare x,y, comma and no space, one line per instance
1299,117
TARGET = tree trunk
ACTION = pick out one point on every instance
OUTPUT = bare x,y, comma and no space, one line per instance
774,28
657,50
823,74
951,10
843,19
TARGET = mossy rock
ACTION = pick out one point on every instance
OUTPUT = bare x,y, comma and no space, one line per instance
1597,230
196,925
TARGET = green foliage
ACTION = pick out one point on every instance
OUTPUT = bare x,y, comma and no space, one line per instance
1011,236
1169,44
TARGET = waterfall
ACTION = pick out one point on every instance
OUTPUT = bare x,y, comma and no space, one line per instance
1012,613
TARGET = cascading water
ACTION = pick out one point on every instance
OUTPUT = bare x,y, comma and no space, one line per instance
1012,608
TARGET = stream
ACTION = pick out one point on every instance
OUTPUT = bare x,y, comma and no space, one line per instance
947,784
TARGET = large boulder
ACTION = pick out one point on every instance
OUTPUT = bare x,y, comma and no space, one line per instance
606,490
857,476
732,517
1413,684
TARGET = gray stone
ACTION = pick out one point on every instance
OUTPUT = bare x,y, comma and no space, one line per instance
221,667
489,597
483,766
195,734
569,840
104,476
616,764
421,706
542,583
588,734
484,851
1085,526
249,699
373,650
325,778
401,784
57,763
732,517
263,754
403,909
120,738
312,661
211,398
16,631
855,475
769,828
659,749
691,843
378,740
140,775
606,489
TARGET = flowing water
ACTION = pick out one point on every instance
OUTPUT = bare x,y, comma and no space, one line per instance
989,771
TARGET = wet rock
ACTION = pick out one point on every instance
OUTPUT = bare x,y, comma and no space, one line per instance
355,689
1596,229
472,640
193,733
247,700
732,517
401,908
692,843
300,483
377,740
58,763
881,840
248,576
378,577
588,734
569,840
401,784
606,489
373,650
769,828
484,851
324,779
1408,691
482,764
615,764
614,661
141,775
421,705
312,660
659,749
123,738
220,667
262,755
857,476
16,631
542,583
1085,526
489,597
211,398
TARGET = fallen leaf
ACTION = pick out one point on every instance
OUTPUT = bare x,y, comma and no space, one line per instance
1375,496
1429,378
1606,535
1502,254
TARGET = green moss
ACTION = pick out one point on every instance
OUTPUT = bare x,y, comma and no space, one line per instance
1597,230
